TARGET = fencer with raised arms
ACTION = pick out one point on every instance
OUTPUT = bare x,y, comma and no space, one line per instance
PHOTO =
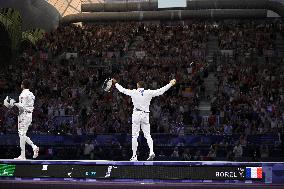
141,100
26,107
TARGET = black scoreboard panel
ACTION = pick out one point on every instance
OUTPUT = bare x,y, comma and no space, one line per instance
97,171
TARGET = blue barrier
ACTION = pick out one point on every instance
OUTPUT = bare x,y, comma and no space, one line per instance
159,139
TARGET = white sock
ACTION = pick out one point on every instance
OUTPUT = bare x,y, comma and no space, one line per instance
150,144
23,146
134,146
28,140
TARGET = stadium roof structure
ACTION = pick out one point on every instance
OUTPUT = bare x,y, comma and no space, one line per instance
66,7
35,13
46,14
147,10
152,5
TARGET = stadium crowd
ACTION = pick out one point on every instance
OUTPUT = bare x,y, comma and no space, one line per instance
66,87
59,94
174,41
248,99
90,40
248,38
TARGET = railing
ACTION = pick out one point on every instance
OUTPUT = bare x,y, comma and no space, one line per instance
160,139
206,118
59,120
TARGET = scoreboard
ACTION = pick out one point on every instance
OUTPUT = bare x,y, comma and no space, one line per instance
162,171
171,3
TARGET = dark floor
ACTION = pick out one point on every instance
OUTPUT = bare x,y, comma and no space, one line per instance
115,185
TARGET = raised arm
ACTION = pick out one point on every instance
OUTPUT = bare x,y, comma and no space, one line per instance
13,103
121,89
20,106
162,90
26,105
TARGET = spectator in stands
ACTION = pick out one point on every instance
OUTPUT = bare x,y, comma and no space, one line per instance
264,151
186,156
228,129
238,151
211,154
175,154
88,149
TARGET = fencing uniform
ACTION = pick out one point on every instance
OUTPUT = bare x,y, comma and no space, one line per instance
141,100
26,107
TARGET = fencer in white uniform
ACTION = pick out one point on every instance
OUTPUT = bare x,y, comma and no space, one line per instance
141,100
26,107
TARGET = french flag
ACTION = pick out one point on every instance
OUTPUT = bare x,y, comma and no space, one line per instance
254,172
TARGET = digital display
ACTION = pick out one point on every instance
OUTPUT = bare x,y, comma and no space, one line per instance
7,170
162,172
171,3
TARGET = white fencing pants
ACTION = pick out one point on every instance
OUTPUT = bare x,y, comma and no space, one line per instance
24,121
140,118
